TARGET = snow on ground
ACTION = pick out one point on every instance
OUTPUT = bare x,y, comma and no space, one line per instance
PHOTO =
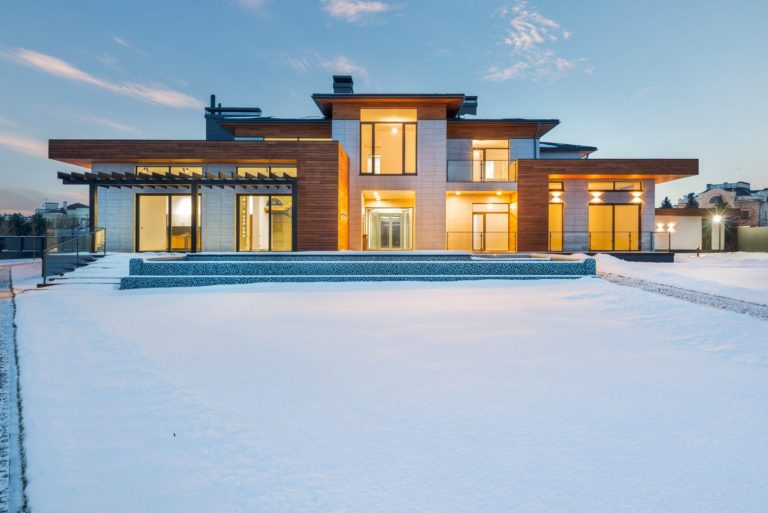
741,276
542,396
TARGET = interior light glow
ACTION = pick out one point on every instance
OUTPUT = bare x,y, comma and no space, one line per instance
717,218
498,193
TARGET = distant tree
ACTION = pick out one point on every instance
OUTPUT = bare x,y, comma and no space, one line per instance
38,224
718,205
17,224
691,201
666,202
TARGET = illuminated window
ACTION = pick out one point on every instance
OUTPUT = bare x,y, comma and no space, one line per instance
268,170
265,223
388,141
634,185
169,170
556,186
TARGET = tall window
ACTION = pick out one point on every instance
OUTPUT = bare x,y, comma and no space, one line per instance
388,141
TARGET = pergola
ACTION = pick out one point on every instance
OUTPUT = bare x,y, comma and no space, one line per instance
194,182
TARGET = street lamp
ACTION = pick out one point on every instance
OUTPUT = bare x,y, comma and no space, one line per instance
716,220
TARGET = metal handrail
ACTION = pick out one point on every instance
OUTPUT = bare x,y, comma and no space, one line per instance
617,240
466,240
59,257
469,170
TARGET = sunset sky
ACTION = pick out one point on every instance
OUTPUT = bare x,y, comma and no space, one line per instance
659,79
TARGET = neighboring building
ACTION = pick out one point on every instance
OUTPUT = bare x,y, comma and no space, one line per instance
373,172
752,205
681,229
65,216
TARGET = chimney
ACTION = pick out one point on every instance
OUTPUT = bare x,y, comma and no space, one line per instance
468,106
342,84
64,205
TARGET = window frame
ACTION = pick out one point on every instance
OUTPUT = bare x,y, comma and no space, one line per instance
403,145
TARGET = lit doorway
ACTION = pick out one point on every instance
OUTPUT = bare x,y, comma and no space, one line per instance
164,222
389,228
490,227
264,222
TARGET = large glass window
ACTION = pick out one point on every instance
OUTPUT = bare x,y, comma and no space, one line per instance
169,170
388,141
388,228
265,223
614,227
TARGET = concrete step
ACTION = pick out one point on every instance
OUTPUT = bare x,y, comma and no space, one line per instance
140,282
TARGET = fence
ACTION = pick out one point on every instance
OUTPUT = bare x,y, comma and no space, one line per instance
72,253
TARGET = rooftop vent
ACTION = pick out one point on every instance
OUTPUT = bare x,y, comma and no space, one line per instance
342,84
469,106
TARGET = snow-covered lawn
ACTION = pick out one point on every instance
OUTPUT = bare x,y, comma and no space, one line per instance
543,396
741,276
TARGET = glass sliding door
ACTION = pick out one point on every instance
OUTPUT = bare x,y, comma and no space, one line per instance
614,227
490,227
265,223
389,229
164,222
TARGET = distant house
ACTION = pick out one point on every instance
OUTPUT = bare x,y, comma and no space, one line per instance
66,216
752,205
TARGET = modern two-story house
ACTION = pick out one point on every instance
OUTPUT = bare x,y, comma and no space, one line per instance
371,172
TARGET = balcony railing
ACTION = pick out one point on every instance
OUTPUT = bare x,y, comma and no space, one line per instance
609,241
481,171
482,241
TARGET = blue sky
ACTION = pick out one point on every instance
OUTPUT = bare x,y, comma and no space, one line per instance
637,79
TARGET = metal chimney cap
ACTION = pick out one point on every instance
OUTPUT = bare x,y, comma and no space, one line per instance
343,84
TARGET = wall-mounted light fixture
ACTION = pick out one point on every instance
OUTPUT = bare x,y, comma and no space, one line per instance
636,197
596,197
556,196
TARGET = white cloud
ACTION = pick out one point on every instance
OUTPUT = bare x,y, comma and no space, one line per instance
251,4
343,64
60,68
305,61
354,10
125,44
108,123
24,145
530,37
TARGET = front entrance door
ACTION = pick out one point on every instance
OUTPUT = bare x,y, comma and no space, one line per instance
389,228
490,231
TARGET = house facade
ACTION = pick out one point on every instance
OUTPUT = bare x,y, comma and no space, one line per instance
371,172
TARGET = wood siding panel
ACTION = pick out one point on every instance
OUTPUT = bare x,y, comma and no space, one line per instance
532,212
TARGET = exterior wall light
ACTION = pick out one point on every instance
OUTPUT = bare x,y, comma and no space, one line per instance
556,196
659,227
596,197
717,219
671,227
636,197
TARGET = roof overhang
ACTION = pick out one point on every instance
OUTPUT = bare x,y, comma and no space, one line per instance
660,170
509,128
452,102
84,152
